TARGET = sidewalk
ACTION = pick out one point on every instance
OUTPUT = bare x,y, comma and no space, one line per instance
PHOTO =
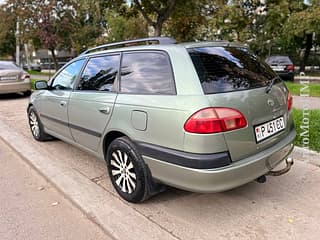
311,79
306,102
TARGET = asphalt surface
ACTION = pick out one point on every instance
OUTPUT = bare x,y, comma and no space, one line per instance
285,207
31,208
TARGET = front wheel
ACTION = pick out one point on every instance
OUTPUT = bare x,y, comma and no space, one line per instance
127,170
36,126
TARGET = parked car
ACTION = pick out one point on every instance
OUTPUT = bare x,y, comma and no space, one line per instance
13,79
204,117
282,65
33,67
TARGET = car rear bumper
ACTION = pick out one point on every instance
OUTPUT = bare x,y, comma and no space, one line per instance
13,87
224,178
286,75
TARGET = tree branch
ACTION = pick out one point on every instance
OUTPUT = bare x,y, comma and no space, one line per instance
144,14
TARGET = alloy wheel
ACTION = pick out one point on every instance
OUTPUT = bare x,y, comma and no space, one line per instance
123,171
34,124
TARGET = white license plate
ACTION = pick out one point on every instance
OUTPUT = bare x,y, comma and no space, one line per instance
278,68
269,129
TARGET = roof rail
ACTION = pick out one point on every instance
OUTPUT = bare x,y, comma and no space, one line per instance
147,41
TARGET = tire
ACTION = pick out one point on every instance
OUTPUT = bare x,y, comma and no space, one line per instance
36,126
127,171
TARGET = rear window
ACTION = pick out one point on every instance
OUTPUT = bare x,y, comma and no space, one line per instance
146,73
8,65
228,69
275,60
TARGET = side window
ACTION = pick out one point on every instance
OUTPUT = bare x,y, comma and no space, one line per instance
66,78
100,73
146,73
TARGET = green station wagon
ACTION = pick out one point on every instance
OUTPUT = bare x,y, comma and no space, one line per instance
203,117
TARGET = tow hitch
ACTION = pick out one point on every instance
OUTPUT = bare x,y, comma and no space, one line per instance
289,163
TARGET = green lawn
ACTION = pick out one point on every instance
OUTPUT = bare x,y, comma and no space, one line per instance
295,88
311,118
40,73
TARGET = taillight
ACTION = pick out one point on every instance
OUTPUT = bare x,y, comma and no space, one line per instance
289,101
215,120
290,67
25,76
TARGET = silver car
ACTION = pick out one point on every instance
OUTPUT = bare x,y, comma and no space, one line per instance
13,79
204,117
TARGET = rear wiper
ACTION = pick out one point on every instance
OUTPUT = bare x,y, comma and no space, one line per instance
268,89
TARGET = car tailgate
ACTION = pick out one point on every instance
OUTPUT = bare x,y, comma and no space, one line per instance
258,107
10,75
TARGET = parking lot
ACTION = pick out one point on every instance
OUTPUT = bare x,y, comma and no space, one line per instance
285,207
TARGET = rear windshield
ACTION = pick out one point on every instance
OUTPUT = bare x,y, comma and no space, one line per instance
228,69
278,60
8,65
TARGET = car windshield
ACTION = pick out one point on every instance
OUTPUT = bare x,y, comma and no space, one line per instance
8,65
228,69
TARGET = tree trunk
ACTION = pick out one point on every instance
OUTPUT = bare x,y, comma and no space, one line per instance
157,29
305,56
54,58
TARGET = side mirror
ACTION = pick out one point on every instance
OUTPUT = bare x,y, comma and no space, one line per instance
41,85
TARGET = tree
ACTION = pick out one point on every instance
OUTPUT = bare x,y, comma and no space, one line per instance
156,13
304,27
185,21
7,32
53,24
126,26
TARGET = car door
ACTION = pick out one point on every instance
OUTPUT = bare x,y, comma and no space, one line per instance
54,102
91,103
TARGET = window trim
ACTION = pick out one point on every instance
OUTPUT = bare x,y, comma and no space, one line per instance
174,88
115,84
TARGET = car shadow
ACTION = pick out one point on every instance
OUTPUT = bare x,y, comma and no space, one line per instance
12,96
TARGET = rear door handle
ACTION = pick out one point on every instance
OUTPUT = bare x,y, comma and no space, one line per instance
105,110
63,103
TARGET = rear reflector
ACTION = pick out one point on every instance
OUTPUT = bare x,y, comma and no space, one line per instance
215,120
289,101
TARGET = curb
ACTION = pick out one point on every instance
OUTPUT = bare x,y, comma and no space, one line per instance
306,155
114,216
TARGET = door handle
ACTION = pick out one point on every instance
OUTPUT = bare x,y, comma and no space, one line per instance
105,110
63,103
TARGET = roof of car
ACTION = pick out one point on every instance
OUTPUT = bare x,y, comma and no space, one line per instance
163,43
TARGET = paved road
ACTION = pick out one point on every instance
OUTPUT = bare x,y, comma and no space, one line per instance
285,207
31,208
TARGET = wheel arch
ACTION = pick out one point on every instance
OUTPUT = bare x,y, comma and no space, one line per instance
109,137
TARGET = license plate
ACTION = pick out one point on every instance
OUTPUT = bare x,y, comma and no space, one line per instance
269,129
278,68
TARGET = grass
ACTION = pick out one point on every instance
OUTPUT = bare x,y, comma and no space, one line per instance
32,83
295,88
303,120
40,73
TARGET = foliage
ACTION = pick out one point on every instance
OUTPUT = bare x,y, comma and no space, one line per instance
156,13
295,88
267,26
7,33
125,27
185,21
303,27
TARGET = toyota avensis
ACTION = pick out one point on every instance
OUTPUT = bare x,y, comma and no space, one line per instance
204,117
